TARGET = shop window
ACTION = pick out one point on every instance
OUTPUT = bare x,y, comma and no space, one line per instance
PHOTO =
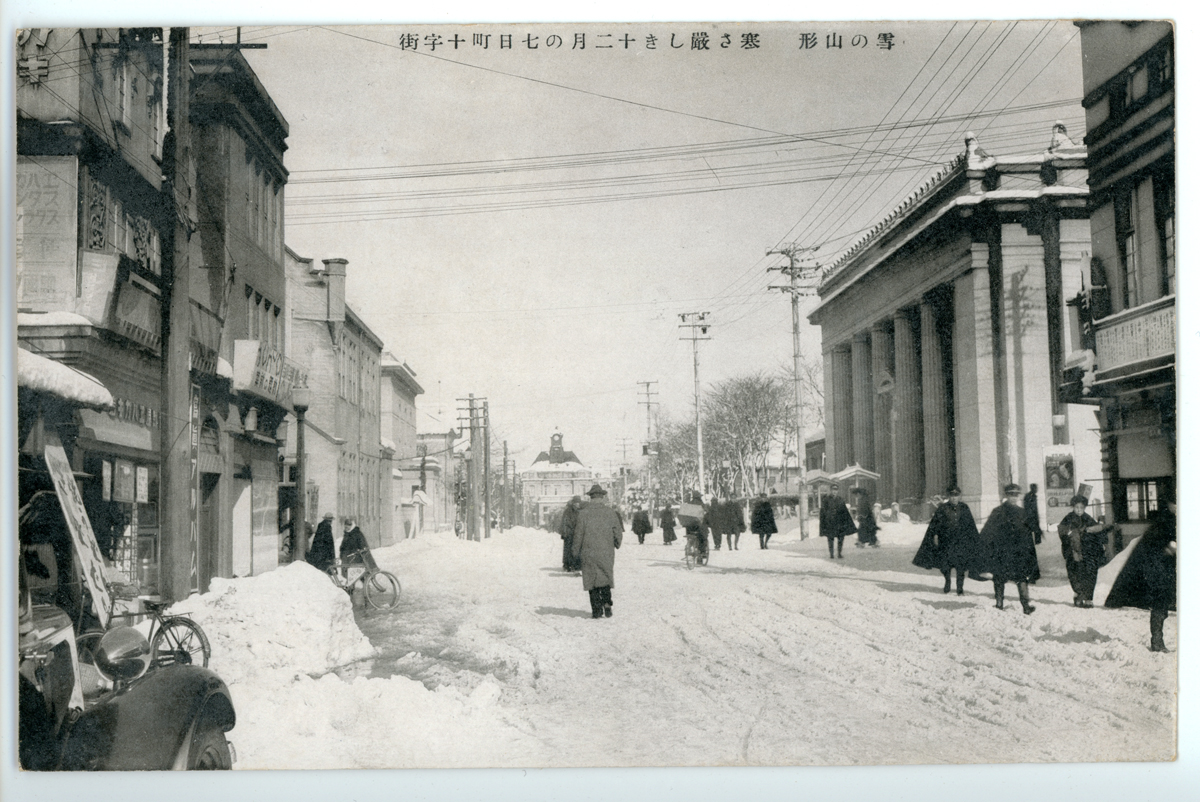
1141,499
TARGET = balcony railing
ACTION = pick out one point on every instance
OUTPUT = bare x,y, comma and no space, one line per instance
1136,335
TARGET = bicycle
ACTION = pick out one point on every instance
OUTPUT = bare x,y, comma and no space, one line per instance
692,554
381,589
174,639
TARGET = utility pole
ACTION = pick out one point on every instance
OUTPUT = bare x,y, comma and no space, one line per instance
179,556
697,323
649,482
796,272
487,473
504,519
476,413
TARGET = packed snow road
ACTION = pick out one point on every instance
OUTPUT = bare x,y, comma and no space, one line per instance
775,657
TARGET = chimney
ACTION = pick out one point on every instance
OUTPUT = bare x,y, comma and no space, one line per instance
335,295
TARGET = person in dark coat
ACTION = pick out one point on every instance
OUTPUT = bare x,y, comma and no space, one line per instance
566,529
762,520
667,519
320,556
1082,549
1148,578
735,523
354,548
597,537
866,519
717,525
836,521
951,541
1030,503
1008,549
641,525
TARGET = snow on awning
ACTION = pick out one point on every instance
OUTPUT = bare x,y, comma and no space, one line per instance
44,375
419,497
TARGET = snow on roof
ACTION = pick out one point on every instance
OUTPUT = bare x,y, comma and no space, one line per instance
44,375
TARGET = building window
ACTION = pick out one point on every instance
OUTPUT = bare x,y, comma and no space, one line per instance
1164,215
1141,499
1162,71
1125,211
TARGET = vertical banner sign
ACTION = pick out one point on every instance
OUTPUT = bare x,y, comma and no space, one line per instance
91,564
143,485
106,476
1060,483
194,494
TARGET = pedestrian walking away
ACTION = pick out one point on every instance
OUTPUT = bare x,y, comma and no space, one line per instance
641,525
1008,546
762,520
566,529
867,527
597,537
696,522
1148,578
1082,549
321,554
667,521
951,541
835,522
715,511
735,523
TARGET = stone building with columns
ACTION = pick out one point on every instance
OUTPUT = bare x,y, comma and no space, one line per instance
943,331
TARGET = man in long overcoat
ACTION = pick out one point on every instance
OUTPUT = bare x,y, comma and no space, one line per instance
641,525
762,520
566,529
667,521
951,541
320,556
735,523
597,537
1148,578
1008,548
836,521
864,511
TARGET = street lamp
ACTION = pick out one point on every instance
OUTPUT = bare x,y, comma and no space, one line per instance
301,399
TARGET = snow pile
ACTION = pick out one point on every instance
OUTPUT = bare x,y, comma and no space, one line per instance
275,639
292,618
35,372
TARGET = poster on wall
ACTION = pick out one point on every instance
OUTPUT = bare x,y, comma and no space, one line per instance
106,474
143,485
123,482
1060,483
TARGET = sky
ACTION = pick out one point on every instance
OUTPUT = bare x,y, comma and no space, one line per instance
528,224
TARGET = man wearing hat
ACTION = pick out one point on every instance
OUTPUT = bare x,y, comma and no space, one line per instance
836,521
951,541
598,533
1083,549
1008,548
321,554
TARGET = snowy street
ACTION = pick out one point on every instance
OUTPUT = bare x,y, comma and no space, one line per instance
777,657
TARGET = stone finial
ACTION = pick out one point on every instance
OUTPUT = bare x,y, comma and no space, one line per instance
1060,141
976,155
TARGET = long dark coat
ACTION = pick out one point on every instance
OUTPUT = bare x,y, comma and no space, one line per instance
734,520
1148,578
836,520
1007,546
1088,546
354,542
1031,511
641,523
321,555
951,541
667,519
866,521
566,528
762,518
597,537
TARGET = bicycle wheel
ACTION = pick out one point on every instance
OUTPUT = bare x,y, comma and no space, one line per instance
86,645
179,641
383,590
689,556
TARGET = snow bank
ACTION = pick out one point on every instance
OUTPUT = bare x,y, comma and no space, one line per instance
275,639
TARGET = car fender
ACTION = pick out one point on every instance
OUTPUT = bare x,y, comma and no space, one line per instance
147,725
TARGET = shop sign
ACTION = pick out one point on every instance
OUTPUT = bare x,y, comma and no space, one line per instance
143,485
46,221
137,314
265,372
87,552
132,412
106,474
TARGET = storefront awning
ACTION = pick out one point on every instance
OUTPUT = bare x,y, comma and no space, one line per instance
40,374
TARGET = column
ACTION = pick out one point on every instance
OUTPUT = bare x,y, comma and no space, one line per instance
843,418
910,457
862,390
881,371
933,397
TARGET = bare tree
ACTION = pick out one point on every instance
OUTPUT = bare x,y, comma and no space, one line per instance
743,417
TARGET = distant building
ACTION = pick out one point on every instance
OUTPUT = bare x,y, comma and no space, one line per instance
944,332
398,408
1122,355
553,478
348,468
437,464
